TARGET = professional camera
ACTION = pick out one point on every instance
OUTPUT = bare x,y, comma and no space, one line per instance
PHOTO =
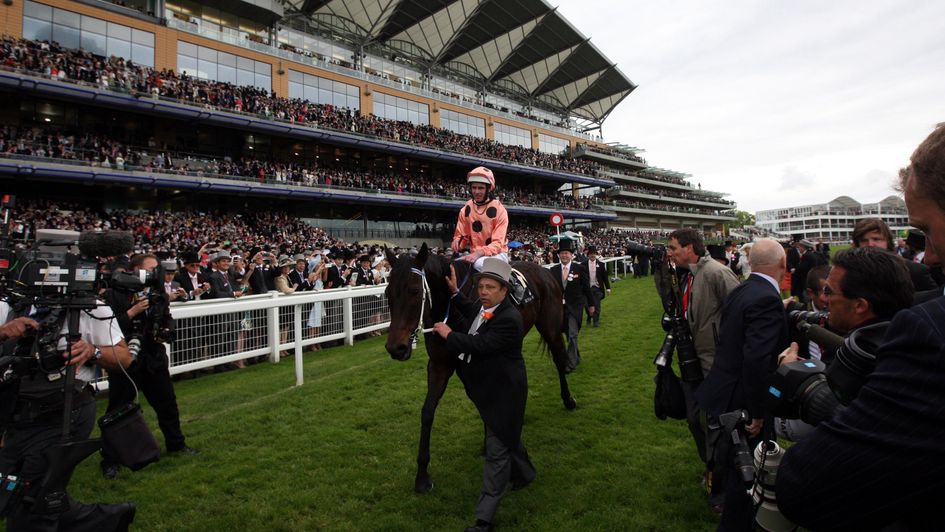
147,284
678,333
813,392
812,317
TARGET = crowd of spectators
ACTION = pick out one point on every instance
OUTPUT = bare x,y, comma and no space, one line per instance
120,74
97,150
655,206
613,152
675,194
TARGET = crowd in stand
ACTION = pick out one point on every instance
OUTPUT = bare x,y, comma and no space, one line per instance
675,194
97,150
613,152
655,206
115,73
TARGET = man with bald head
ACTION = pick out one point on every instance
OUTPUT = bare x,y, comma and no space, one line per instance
753,331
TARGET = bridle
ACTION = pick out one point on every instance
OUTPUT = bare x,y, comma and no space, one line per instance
425,300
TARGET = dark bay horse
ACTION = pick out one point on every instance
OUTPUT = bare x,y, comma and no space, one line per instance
418,297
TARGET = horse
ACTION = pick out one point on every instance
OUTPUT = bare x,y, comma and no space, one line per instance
418,297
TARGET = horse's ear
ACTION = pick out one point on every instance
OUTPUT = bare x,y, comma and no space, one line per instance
391,258
422,255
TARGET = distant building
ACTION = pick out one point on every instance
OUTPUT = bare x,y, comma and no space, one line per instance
832,221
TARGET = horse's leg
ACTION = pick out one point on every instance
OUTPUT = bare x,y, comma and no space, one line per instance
559,354
438,375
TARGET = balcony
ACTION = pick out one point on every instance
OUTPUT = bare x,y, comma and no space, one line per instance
613,158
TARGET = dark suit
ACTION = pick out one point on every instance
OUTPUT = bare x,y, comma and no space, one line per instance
221,285
577,292
752,332
880,460
183,277
598,293
921,276
298,280
497,384
808,262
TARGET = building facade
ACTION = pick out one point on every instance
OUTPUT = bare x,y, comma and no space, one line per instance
833,221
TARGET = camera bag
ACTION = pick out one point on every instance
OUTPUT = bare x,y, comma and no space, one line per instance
669,400
127,435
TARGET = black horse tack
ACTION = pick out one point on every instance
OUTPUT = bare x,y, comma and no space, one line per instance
418,297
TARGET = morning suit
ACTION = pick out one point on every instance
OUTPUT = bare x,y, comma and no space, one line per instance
921,276
753,331
576,288
880,460
495,381
599,285
299,281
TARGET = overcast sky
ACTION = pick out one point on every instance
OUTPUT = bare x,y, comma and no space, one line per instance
778,103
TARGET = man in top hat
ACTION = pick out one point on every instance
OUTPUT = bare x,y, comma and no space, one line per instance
493,372
810,259
171,287
363,275
337,272
597,274
193,279
718,253
576,288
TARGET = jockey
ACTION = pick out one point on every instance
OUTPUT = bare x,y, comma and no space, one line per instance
483,221
482,226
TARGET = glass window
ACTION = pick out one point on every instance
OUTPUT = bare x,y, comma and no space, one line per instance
244,78
296,77
67,18
207,54
323,90
226,74
401,109
142,55
512,136
119,32
185,48
296,90
187,65
554,145
462,123
206,69
119,47
66,36
142,37
37,30
94,25
37,11
94,42
227,59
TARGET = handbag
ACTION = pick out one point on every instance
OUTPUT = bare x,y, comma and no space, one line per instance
669,400
126,434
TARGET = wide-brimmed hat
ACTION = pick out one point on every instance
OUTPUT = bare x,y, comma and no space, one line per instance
494,268
286,262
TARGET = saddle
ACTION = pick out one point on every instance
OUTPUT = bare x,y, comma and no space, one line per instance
518,290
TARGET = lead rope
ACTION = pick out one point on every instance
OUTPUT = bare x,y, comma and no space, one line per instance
425,299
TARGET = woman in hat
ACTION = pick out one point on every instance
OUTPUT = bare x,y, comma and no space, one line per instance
283,286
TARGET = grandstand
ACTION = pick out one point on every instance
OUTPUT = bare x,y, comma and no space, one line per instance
359,117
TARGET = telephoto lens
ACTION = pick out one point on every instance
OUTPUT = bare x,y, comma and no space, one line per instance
665,354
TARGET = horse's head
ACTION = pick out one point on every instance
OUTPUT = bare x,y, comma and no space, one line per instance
406,300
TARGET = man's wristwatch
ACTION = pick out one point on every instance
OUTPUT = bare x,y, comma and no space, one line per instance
98,353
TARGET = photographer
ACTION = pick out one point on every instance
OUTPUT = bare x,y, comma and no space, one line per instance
35,427
148,319
878,464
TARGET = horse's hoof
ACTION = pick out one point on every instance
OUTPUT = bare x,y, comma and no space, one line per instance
570,403
422,486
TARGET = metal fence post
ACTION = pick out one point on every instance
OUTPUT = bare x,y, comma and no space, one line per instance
348,317
298,344
272,320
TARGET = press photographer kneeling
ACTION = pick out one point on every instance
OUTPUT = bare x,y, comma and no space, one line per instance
37,458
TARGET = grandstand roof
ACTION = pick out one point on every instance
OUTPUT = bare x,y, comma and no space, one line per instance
521,49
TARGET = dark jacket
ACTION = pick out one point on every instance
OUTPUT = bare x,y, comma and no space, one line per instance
603,282
257,281
577,291
336,277
183,277
495,378
880,460
299,281
810,260
220,286
752,332
921,276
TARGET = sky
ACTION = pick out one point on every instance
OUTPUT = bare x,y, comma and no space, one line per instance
777,103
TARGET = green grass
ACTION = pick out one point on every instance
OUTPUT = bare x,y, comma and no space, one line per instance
339,452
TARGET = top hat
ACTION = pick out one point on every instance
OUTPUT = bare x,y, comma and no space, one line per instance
717,252
189,257
916,239
566,244
591,249
494,268
364,258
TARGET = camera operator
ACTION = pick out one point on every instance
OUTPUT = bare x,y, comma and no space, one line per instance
878,464
753,331
148,319
36,424
705,288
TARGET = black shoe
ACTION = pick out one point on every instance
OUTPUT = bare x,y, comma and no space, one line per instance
520,485
110,471
185,450
127,511
480,526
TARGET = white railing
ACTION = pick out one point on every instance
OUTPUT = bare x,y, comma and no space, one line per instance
216,332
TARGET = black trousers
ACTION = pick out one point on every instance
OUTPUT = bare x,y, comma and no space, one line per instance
502,466
151,376
572,326
25,445
597,294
